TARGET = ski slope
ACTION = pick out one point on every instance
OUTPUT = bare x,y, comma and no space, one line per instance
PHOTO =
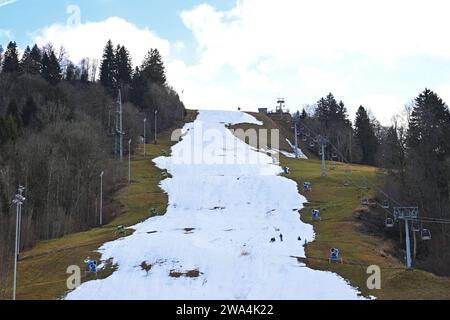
226,202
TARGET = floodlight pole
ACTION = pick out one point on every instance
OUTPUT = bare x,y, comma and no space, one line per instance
324,167
18,201
129,161
156,126
145,138
296,139
101,198
21,190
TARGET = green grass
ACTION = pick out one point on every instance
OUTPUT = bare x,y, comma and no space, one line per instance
42,270
340,229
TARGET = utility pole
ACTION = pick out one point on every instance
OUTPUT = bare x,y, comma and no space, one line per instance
182,101
145,138
323,141
19,199
129,161
101,198
119,128
324,168
156,126
21,190
296,139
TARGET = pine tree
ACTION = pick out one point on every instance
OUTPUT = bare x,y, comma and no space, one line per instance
429,127
51,70
393,152
35,66
107,67
365,136
25,62
303,115
153,68
11,59
123,66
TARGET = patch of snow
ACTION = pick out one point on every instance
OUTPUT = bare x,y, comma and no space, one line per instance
232,211
300,153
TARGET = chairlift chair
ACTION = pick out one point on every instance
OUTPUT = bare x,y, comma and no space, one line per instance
311,144
390,223
426,234
365,201
385,204
334,155
308,134
305,138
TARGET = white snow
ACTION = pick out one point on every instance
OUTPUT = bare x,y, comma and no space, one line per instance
300,153
234,200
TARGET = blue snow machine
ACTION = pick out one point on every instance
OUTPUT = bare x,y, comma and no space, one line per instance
315,214
91,266
334,256
307,186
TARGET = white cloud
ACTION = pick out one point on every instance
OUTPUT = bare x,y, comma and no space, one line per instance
6,2
7,34
294,48
260,49
89,39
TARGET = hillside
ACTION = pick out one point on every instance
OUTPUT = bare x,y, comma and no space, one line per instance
341,228
42,269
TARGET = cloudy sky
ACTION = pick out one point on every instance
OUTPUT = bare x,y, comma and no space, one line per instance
246,53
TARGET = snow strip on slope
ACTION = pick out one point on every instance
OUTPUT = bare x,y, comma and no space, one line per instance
226,201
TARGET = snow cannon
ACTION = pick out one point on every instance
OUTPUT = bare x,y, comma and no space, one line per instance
120,230
307,186
315,214
334,256
91,266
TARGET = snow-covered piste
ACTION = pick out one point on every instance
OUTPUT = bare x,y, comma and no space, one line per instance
226,203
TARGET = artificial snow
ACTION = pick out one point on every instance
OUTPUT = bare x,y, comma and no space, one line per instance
226,203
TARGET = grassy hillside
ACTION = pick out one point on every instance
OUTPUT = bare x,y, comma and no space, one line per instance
340,228
42,270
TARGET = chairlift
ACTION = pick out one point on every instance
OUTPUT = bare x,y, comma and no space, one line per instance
385,204
316,140
415,226
305,138
312,144
365,201
334,155
390,223
426,234
308,134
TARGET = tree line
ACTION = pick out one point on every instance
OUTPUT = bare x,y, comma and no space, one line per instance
328,118
55,136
